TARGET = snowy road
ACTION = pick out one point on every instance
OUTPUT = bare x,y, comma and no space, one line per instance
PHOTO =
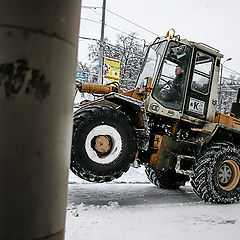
132,208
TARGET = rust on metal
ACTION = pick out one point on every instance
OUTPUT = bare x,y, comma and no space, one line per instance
157,144
103,144
98,89
227,121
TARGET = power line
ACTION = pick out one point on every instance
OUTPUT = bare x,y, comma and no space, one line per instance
114,28
87,38
132,22
231,79
126,50
90,20
113,46
232,70
118,30
90,7
106,43
95,12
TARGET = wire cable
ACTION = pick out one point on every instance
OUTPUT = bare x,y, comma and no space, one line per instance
90,20
132,22
126,50
95,12
128,34
230,79
114,28
90,7
87,38
231,70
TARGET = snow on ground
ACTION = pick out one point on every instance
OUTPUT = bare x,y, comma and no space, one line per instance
132,208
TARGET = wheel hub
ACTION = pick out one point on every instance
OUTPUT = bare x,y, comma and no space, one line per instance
225,174
228,175
103,144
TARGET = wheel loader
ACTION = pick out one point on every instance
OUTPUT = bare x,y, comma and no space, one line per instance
170,126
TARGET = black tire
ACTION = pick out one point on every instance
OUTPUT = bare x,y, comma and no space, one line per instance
117,147
216,173
167,179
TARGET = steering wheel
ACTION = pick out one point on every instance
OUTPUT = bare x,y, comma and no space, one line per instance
166,85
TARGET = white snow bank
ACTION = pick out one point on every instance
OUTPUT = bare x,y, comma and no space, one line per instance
129,210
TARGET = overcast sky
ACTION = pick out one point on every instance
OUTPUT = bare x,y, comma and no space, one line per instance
214,22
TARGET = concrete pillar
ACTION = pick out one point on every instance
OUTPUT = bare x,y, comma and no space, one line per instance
38,48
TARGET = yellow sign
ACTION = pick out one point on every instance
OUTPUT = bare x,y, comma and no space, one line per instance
111,70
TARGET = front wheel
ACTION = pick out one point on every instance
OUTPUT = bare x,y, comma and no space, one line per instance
103,144
217,173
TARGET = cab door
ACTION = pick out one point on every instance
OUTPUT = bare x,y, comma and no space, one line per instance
201,74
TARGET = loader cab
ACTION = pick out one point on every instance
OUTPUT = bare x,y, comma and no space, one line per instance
184,79
170,83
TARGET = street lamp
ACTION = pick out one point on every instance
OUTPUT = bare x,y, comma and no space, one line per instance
221,82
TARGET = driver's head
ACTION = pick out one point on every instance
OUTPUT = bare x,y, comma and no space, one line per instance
179,70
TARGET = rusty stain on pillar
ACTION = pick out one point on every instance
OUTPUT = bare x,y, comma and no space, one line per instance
37,71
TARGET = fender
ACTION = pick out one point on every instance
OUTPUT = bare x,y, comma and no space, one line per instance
136,110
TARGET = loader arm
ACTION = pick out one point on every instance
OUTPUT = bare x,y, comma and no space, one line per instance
98,89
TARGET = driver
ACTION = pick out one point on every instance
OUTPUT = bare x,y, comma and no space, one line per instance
175,91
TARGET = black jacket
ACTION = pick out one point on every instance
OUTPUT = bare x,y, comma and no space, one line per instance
176,88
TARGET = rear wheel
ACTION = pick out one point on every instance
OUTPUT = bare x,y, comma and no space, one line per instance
103,144
167,179
217,173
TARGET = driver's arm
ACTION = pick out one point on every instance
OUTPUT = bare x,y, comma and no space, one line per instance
170,82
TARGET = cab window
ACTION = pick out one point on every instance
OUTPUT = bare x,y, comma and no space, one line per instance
170,87
202,73
152,61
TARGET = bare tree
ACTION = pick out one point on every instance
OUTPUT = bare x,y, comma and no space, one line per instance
228,92
128,51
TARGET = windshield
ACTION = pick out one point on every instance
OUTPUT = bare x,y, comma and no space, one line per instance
152,60
170,85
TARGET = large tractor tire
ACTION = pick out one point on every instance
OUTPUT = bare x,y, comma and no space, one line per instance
103,144
216,173
167,179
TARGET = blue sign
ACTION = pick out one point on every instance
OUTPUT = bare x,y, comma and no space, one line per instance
80,75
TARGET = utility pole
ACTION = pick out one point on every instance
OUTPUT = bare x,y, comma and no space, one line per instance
100,65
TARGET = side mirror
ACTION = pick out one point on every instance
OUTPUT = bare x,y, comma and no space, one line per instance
147,83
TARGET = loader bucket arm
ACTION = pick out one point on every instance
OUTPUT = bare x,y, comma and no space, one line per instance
98,89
